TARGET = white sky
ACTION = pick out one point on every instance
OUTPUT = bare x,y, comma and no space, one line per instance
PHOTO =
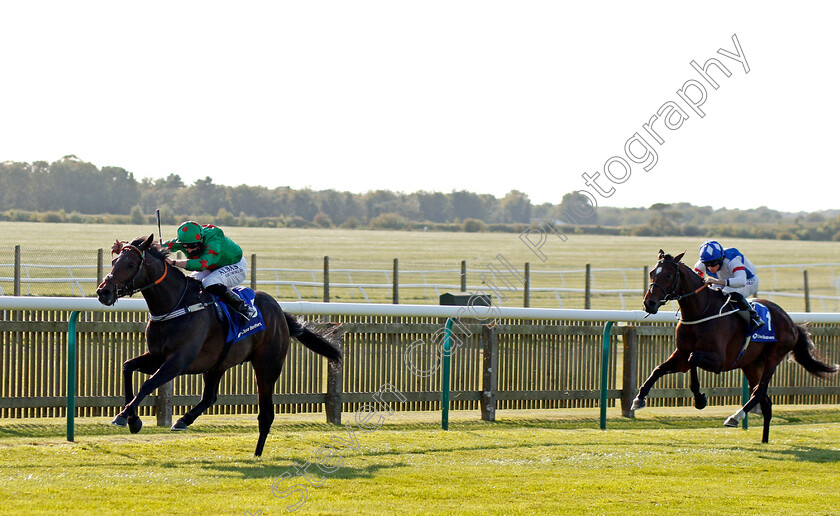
434,95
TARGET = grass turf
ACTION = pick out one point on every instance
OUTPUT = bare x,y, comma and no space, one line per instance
666,461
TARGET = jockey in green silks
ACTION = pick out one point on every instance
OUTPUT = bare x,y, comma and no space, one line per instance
215,260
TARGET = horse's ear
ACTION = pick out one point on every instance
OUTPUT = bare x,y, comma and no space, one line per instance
678,258
148,242
661,254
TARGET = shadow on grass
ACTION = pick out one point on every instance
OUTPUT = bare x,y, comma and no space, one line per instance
804,454
53,428
346,471
656,419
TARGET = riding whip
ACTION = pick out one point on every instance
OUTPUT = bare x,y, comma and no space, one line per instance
160,233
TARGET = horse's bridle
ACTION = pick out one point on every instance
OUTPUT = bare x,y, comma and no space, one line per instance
669,295
672,295
128,288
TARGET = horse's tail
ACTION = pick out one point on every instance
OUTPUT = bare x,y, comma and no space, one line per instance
324,342
806,355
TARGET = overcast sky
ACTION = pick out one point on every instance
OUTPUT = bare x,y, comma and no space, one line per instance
437,96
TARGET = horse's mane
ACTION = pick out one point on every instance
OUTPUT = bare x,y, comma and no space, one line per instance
669,258
162,254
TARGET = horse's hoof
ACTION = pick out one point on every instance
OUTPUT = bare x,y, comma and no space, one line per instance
700,402
179,425
638,404
731,422
135,425
120,421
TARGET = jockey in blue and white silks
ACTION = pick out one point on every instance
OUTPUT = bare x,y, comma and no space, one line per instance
731,272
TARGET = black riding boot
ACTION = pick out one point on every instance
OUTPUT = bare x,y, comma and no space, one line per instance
233,301
743,304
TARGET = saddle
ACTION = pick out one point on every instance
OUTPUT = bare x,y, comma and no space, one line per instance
238,327
765,333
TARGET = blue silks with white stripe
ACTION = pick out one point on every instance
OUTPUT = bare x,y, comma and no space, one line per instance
766,333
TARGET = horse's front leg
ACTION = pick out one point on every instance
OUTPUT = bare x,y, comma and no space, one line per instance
675,363
146,363
700,400
173,366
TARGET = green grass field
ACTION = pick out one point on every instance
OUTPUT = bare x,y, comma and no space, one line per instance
362,251
381,246
667,461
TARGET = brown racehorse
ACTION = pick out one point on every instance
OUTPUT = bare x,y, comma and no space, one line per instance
711,335
184,336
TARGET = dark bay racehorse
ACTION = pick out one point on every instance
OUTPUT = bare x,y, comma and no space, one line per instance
712,335
193,340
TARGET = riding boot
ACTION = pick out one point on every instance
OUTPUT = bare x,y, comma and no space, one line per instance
233,301
743,304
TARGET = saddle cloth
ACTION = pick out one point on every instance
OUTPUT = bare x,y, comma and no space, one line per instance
766,333
238,327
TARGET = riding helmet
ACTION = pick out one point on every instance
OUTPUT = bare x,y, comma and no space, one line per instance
189,233
711,251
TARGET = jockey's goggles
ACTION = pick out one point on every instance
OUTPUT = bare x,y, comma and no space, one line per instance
713,263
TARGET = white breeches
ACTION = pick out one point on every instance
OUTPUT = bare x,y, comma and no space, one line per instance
747,290
229,275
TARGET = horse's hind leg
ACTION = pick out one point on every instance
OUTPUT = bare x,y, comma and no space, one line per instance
767,412
672,365
265,387
267,363
145,363
759,396
700,399
208,398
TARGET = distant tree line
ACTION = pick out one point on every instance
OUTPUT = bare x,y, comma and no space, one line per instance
72,190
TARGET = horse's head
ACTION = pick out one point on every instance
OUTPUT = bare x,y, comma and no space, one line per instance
130,271
664,282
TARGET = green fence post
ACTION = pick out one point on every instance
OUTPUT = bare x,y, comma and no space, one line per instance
605,371
71,374
447,354
745,397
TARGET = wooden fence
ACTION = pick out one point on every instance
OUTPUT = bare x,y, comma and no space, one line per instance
515,364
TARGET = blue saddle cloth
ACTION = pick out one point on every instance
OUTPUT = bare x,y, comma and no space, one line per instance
238,327
766,333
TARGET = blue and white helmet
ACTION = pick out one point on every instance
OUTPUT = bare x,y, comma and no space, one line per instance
711,251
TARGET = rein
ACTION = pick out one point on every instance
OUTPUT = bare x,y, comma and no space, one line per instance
128,288
720,314
673,296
